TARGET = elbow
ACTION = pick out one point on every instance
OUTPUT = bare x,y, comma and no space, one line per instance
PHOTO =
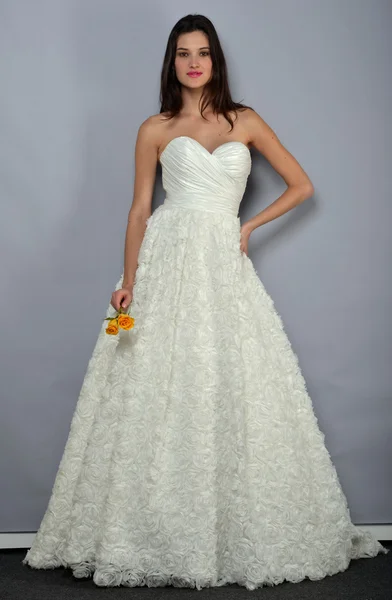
138,216
310,189
306,190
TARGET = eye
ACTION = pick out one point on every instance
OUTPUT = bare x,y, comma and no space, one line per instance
203,53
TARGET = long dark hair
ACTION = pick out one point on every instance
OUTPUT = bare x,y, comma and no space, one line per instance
216,92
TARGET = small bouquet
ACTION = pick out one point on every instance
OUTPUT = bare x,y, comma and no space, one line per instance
122,320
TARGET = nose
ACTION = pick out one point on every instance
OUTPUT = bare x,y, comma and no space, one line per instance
194,62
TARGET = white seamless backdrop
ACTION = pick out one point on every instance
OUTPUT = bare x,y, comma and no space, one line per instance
77,79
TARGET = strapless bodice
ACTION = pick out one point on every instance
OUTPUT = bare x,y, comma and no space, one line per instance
195,178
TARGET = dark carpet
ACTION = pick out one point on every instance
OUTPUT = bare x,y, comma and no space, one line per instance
365,579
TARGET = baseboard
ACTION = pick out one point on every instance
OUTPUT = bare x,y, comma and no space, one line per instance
24,540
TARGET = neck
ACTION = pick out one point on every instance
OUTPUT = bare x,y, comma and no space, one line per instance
191,102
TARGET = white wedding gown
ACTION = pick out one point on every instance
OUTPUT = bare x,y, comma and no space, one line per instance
194,456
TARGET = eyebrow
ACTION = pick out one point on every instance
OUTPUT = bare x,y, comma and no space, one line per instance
202,48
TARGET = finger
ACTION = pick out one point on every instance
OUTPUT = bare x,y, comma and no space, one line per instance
127,300
116,303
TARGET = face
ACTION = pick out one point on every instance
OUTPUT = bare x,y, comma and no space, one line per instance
193,62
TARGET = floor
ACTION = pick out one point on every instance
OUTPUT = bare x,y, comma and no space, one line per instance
365,579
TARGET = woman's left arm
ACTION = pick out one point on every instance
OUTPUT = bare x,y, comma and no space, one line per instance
299,186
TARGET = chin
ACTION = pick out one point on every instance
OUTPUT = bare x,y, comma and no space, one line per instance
195,83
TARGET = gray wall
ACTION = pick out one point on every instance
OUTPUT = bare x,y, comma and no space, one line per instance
77,79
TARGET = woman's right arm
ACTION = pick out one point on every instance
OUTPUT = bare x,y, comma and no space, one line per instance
140,211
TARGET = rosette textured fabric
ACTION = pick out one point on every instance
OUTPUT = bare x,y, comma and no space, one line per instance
194,456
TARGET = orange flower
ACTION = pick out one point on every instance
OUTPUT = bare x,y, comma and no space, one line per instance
112,328
126,322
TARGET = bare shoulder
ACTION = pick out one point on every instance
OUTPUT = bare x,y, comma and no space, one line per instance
150,132
255,125
242,117
266,141
148,128
242,114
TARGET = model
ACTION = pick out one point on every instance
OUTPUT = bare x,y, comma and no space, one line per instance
194,457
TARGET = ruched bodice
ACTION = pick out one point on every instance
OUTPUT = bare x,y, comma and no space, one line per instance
195,178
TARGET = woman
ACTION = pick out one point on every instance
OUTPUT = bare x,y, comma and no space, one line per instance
194,456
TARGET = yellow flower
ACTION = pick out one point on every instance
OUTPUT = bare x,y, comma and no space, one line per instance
112,328
126,322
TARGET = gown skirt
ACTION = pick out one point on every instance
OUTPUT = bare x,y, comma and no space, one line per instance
194,456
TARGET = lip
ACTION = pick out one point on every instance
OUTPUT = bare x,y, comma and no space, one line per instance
194,73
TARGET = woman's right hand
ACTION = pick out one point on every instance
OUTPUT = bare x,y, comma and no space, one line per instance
122,298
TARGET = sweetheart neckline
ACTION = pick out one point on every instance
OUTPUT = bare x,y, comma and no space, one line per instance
201,145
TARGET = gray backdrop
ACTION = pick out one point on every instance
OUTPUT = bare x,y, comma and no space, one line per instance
78,77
